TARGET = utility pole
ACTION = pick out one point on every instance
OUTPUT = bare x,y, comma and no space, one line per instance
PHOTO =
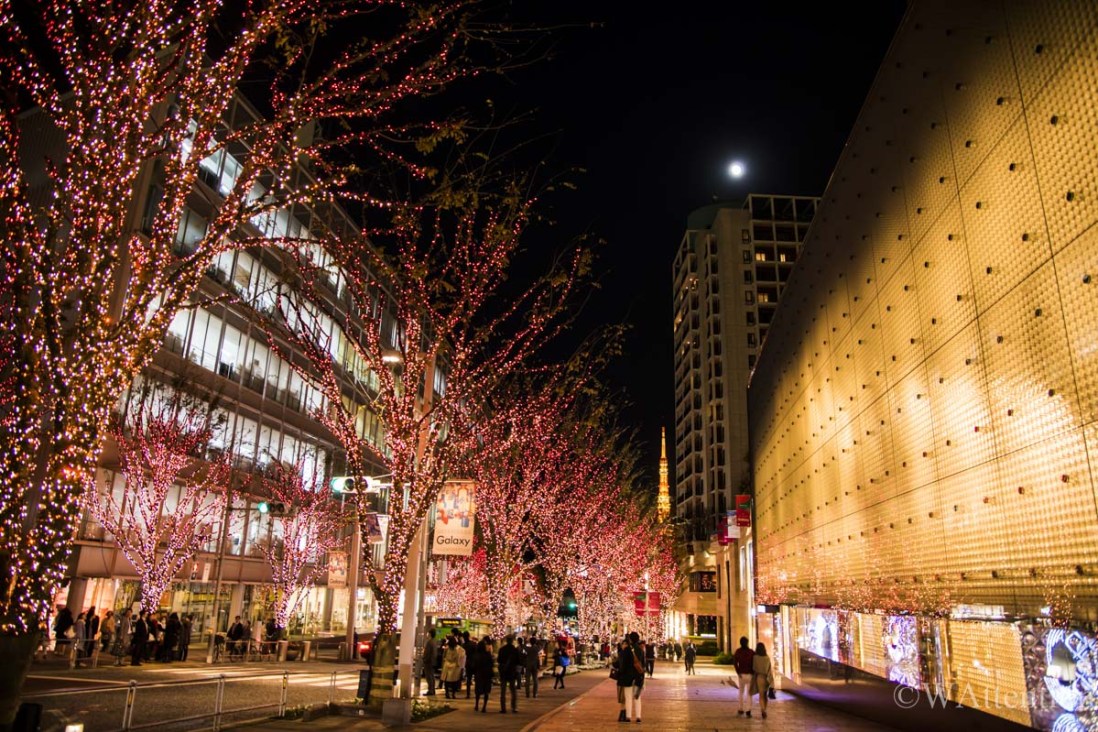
220,563
352,581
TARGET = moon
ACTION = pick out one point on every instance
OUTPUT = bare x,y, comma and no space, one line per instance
736,169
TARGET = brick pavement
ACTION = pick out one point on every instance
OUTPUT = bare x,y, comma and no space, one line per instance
674,701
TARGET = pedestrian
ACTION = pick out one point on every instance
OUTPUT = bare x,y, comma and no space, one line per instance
185,636
156,637
560,665
510,664
453,661
690,654
430,655
762,677
630,666
678,651
650,659
91,632
236,636
80,635
470,648
743,659
106,631
122,637
482,674
532,665
173,631
140,639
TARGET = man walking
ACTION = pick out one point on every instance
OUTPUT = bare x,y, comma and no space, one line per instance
690,655
744,659
533,666
140,639
508,660
650,659
430,656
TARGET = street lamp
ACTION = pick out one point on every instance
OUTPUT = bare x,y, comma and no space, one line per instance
350,486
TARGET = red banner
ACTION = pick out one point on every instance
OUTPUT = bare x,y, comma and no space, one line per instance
743,510
646,603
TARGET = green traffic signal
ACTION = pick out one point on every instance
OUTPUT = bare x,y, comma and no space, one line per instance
263,507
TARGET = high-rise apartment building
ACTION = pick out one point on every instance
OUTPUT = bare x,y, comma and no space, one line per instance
729,274
924,417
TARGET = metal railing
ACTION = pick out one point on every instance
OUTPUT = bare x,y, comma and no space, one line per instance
82,699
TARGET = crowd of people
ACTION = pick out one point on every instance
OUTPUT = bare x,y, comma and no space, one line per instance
159,636
517,661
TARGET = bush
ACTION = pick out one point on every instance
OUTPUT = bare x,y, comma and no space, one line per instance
708,648
723,659
422,710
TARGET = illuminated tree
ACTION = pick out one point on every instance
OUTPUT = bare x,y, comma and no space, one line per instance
462,591
305,530
140,101
172,497
430,338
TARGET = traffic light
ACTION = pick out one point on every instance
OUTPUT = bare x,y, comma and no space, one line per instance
343,484
275,508
567,607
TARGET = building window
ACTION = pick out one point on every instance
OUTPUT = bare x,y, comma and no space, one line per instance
751,340
750,319
749,297
745,235
763,297
748,278
751,362
703,581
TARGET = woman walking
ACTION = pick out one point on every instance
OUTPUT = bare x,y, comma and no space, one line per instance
453,661
630,678
560,665
481,664
763,676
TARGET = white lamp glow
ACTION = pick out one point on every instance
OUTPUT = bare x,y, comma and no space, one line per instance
736,169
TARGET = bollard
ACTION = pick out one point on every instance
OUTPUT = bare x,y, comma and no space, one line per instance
282,699
127,711
219,702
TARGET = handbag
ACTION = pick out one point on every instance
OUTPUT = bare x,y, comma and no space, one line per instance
558,670
614,672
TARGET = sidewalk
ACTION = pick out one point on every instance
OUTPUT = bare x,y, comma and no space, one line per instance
530,711
674,701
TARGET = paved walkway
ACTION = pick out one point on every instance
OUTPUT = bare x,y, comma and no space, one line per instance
671,701
674,701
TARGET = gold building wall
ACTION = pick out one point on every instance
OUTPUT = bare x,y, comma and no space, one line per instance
925,409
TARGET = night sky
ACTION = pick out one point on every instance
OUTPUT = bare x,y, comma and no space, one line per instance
654,105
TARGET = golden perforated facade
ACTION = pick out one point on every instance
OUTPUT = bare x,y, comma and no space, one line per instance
925,413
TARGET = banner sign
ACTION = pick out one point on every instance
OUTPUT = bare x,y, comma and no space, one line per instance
727,530
646,603
743,510
337,570
455,512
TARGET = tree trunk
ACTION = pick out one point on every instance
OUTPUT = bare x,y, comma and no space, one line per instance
497,581
17,652
381,685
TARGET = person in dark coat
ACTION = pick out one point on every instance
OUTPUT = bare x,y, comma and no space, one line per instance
482,674
173,629
61,626
630,676
185,637
430,657
510,662
470,647
140,639
532,662
91,631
